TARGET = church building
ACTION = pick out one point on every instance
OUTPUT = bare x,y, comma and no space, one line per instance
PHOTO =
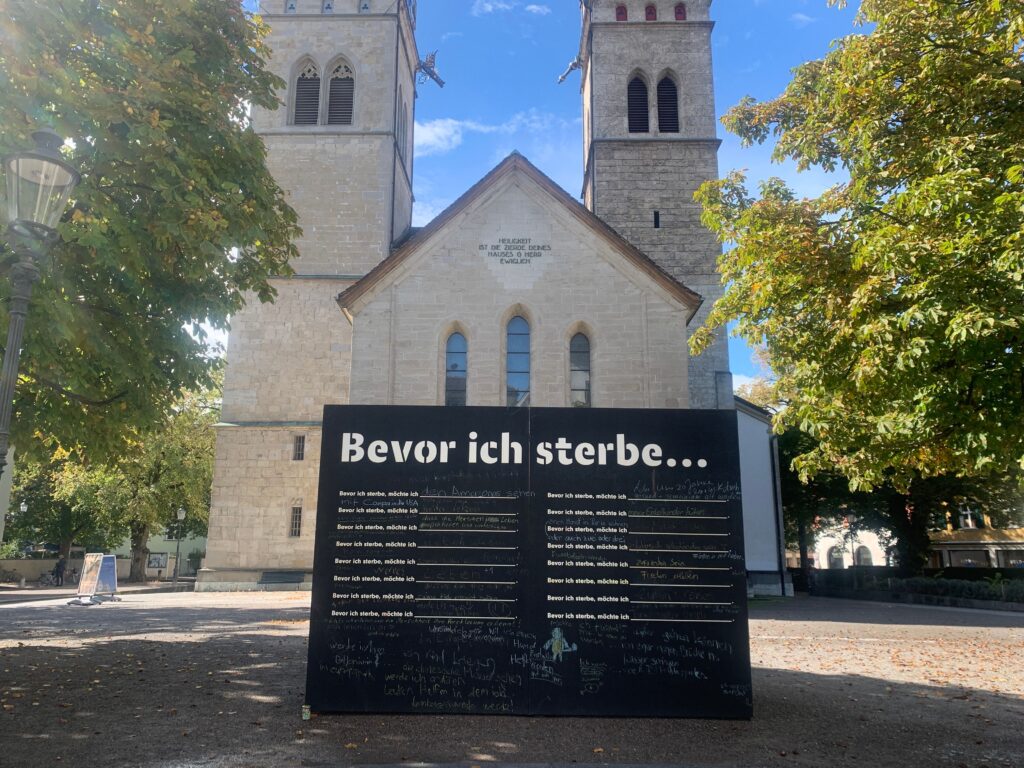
517,294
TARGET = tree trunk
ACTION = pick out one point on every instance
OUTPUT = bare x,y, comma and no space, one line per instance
805,560
911,528
65,548
140,551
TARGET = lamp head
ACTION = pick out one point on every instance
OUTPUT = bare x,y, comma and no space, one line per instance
39,183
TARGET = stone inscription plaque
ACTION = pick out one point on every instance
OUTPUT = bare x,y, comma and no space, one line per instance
514,250
529,561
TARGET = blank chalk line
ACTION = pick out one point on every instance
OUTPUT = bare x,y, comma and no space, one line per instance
501,583
687,551
690,621
500,549
462,600
470,618
672,602
655,532
466,565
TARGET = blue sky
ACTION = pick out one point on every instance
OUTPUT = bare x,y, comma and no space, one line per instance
501,59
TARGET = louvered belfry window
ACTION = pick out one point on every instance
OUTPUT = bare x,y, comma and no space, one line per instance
341,99
307,96
639,120
668,106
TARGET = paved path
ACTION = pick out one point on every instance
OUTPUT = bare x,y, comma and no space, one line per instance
169,680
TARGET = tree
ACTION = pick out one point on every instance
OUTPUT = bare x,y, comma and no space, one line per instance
891,306
99,506
171,468
66,504
927,504
176,220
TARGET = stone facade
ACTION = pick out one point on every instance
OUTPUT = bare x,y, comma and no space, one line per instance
612,276
455,282
631,178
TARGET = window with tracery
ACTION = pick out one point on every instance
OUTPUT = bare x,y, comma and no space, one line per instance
307,96
341,95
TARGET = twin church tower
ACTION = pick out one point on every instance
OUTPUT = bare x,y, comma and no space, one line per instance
379,312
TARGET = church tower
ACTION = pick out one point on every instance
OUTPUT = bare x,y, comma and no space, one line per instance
340,146
649,143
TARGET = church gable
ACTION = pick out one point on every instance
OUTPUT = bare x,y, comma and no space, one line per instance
517,296
518,228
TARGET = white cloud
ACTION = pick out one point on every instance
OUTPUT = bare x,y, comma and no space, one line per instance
540,10
802,19
438,137
482,7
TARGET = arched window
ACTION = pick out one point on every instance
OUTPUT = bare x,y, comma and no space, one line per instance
341,95
668,106
517,362
307,95
835,559
579,371
651,13
621,14
863,556
680,11
456,370
639,120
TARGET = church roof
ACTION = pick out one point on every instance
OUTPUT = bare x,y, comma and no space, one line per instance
515,162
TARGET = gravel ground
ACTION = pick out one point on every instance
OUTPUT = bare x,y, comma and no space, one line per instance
167,680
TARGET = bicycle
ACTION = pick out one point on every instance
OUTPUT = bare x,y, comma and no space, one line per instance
47,580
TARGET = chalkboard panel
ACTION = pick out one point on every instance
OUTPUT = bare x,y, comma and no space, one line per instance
529,561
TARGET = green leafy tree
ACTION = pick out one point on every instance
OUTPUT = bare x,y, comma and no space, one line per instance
66,504
176,219
907,514
891,306
170,468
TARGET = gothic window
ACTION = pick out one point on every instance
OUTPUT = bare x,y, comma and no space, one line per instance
517,365
295,523
621,14
680,11
668,106
290,6
341,95
639,120
456,371
651,13
328,6
307,95
579,371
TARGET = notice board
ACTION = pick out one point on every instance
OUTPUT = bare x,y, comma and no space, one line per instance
549,561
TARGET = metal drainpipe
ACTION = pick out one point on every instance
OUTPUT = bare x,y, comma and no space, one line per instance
780,542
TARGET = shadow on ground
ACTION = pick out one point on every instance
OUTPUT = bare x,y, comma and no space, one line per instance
224,688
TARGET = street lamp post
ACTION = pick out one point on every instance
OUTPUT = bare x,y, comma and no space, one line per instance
177,548
39,184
